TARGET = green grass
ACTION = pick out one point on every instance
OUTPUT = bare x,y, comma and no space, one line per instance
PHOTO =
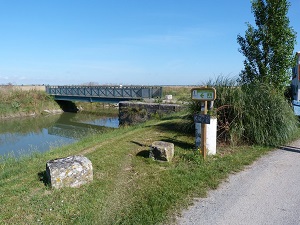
128,187
180,93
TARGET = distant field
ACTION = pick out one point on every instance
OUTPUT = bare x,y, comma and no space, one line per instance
182,93
24,87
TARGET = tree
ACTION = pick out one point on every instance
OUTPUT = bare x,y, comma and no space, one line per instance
269,48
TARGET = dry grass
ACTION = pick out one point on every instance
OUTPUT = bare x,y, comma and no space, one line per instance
17,102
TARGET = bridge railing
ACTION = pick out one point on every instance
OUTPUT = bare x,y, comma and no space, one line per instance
128,92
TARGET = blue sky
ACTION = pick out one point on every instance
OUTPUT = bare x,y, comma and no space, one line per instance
139,42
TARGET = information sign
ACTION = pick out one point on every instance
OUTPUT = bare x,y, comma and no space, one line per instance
204,94
201,118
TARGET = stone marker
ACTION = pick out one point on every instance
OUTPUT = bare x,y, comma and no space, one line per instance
162,150
72,171
168,97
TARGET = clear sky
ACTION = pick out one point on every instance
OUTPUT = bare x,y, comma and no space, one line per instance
139,42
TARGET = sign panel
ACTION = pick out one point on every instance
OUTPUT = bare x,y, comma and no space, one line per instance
201,118
204,94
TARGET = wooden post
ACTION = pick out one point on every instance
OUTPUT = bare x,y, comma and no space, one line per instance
203,132
203,94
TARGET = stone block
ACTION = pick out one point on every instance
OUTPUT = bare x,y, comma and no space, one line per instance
168,97
72,171
162,150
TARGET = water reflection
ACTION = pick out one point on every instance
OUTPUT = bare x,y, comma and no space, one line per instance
26,135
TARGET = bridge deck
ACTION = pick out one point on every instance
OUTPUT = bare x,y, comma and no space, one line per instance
103,93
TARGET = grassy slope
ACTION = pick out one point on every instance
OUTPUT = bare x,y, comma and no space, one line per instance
16,103
128,187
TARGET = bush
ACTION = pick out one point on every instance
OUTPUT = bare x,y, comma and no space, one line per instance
255,114
268,118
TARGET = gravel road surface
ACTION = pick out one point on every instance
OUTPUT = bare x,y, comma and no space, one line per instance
267,192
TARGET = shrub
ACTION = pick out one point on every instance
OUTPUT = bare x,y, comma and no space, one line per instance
268,118
255,114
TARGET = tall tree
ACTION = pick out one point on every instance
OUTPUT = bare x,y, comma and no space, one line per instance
268,48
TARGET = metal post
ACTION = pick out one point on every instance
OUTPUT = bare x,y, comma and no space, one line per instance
203,132
198,136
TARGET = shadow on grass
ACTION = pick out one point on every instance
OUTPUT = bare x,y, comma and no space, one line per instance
180,127
172,117
143,153
139,144
180,144
43,178
290,149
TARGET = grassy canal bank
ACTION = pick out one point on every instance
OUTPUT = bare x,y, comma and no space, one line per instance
128,187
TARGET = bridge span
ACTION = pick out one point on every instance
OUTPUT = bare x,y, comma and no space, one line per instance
107,94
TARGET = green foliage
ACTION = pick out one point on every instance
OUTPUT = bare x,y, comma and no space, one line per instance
16,101
269,47
227,109
254,114
268,118
228,105
15,105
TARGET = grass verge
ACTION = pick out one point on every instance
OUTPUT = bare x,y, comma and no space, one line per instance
128,187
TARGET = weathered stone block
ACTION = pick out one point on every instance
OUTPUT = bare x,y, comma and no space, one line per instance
72,171
162,150
136,112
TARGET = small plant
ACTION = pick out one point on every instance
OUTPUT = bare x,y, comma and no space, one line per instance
15,105
158,100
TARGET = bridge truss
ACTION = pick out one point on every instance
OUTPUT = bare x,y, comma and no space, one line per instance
111,94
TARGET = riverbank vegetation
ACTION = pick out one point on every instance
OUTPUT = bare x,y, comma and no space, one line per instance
15,102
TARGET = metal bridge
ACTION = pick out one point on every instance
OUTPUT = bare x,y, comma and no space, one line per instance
108,94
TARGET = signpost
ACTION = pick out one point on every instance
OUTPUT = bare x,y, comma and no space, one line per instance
202,94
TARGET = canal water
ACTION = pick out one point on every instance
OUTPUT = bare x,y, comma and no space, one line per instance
22,136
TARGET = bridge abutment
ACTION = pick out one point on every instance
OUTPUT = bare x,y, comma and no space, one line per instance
67,106
136,112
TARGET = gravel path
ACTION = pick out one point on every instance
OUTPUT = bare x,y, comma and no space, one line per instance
267,192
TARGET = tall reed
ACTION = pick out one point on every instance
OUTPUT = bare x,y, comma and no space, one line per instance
253,114
268,117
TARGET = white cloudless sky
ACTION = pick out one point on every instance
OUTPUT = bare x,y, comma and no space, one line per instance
139,42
